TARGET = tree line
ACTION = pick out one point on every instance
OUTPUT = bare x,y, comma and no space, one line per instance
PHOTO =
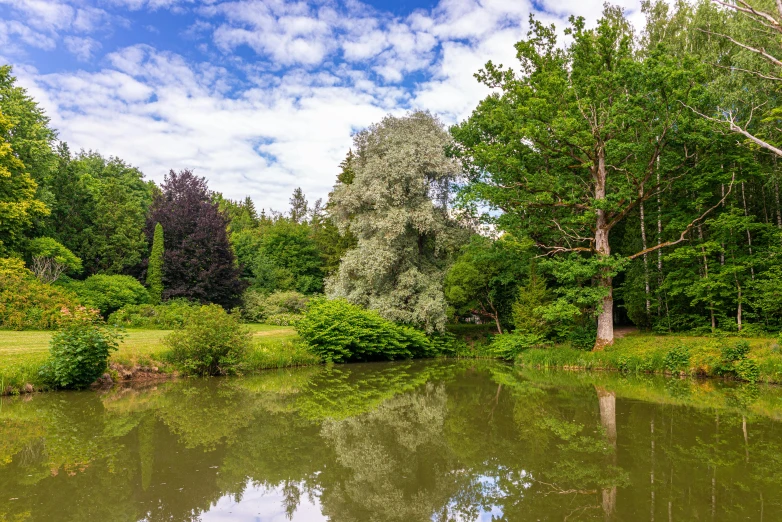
624,177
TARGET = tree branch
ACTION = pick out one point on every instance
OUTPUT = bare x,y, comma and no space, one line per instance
748,9
759,75
737,128
761,52
688,228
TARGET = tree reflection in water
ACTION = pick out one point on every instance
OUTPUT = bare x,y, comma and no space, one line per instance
442,441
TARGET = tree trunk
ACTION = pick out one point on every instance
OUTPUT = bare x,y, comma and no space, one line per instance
749,235
646,260
779,211
605,321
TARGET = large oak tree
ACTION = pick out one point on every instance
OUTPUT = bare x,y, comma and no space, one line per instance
577,139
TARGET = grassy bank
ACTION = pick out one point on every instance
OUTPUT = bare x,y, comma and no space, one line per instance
23,353
670,354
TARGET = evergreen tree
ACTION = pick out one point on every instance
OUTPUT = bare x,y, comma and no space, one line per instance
299,206
198,262
155,268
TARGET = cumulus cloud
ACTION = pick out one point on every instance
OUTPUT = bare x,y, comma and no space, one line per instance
279,87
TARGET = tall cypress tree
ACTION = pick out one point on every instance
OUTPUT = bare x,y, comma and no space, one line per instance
155,270
198,262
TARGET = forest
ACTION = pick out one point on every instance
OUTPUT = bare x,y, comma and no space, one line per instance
619,177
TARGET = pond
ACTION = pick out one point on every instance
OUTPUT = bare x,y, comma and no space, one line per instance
409,441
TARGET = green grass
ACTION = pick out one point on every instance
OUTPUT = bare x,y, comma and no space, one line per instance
23,353
646,353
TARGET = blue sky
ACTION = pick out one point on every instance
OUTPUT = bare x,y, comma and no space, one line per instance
259,96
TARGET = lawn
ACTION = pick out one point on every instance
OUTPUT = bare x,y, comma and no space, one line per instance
22,353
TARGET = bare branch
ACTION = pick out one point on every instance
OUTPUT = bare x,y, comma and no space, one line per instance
746,8
47,269
689,227
737,128
762,52
756,73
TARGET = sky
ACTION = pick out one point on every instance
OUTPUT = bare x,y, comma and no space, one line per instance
258,96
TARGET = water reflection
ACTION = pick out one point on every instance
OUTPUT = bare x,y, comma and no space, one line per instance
439,441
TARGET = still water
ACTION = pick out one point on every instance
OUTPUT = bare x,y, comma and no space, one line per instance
440,441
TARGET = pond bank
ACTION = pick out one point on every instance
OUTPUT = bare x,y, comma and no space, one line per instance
670,355
141,356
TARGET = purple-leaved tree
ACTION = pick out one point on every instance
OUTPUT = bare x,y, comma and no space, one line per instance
198,262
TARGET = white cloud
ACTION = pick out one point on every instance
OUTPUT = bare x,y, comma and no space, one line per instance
82,48
264,125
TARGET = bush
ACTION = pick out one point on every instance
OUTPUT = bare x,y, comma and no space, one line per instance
283,319
583,337
509,346
172,314
108,293
338,331
26,303
677,359
736,364
258,307
212,342
80,349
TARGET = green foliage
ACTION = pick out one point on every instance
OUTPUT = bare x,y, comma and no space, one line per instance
108,293
50,259
677,359
735,352
280,255
19,205
99,210
339,331
258,307
509,346
736,363
212,342
26,303
155,267
484,278
80,349
171,314
396,205
582,337
527,308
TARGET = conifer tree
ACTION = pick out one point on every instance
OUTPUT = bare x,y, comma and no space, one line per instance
155,270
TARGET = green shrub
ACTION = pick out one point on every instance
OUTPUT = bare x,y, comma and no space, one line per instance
80,349
583,337
677,359
736,352
108,293
167,316
747,370
735,363
283,319
258,307
212,342
341,332
26,303
509,346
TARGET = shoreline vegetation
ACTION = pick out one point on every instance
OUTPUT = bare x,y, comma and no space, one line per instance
142,356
